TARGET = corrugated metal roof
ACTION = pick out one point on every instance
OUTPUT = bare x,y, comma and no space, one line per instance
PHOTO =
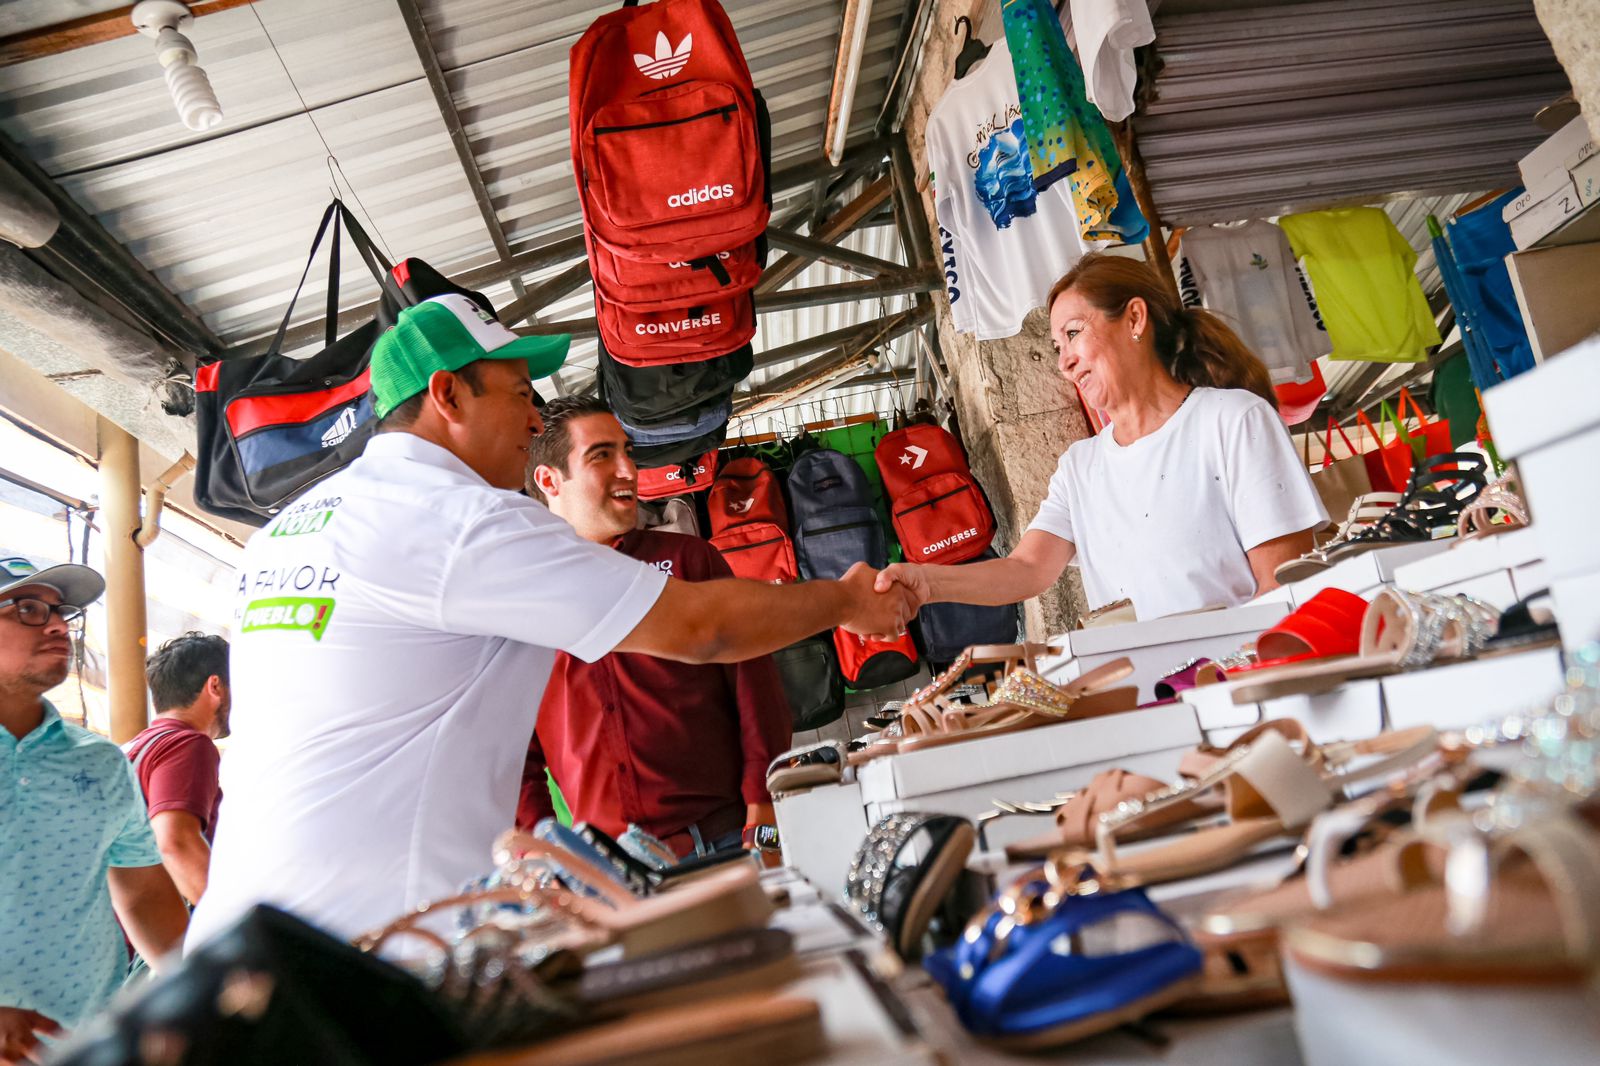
224,218
1277,108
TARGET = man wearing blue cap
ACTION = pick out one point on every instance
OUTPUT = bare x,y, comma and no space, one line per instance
76,850
397,625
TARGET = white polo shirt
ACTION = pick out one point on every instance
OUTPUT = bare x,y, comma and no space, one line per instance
397,625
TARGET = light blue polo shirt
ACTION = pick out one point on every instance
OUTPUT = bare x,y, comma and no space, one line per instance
70,808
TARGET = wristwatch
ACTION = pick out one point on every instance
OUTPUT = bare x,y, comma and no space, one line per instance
760,837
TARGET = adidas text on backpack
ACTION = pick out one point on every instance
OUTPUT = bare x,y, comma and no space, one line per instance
938,510
749,523
664,132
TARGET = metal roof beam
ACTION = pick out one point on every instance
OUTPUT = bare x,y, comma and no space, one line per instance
842,222
832,254
94,253
847,360
458,134
544,294
90,29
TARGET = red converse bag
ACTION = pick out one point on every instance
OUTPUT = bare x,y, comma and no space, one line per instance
750,524
939,512
665,136
659,482
677,335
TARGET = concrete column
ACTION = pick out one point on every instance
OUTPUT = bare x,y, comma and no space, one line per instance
124,561
1017,414
1573,27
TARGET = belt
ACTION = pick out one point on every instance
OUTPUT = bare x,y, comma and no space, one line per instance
718,823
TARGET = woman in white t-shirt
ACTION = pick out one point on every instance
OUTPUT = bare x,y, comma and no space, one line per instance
1189,497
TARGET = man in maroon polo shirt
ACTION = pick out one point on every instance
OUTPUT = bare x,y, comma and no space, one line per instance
175,757
678,749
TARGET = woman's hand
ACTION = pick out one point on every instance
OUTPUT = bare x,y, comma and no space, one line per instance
911,578
19,1035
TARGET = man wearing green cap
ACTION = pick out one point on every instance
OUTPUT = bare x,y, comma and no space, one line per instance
397,624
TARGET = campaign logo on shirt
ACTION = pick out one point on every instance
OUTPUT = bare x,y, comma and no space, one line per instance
309,614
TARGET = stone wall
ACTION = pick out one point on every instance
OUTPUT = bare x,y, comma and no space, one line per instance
1017,414
1573,27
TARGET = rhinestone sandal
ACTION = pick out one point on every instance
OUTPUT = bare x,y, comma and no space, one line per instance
898,899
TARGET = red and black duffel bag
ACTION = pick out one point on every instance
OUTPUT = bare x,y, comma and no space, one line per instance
269,426
750,524
939,512
694,475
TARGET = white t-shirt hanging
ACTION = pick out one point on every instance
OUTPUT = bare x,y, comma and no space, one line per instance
1248,275
1008,258
1166,521
1107,32
397,626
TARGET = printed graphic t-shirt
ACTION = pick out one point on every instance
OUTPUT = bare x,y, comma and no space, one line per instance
1007,260
397,625
1247,274
1166,521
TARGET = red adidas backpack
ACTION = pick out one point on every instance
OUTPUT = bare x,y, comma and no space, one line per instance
659,482
749,523
664,132
939,512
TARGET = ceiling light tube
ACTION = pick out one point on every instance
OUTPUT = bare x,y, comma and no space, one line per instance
846,72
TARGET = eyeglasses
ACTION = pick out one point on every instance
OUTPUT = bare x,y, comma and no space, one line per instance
32,612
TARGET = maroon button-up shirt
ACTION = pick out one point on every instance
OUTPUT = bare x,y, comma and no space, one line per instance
634,738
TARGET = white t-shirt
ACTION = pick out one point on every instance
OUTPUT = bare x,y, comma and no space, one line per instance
397,625
1107,32
1166,520
1003,271
1247,274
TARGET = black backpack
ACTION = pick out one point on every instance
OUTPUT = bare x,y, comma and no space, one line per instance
650,395
812,682
945,630
835,522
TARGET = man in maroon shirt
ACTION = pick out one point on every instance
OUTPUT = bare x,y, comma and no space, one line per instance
679,750
175,757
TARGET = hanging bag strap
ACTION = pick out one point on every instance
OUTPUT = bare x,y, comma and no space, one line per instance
338,215
1363,420
1327,442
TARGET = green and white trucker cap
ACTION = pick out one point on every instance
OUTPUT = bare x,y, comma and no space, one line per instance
78,585
446,333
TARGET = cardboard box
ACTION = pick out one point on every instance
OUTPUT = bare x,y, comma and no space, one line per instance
1555,287
821,830
1159,646
1547,216
1537,192
1586,180
1215,709
1012,756
1553,152
856,1025
1530,578
1362,574
974,800
1556,443
1479,567
1470,693
1577,159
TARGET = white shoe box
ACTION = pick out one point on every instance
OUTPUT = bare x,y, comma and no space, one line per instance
1158,646
1471,693
1577,608
1364,573
1350,712
1542,420
1482,566
977,799
821,830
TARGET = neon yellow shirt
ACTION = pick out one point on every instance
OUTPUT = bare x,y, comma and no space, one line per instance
1361,269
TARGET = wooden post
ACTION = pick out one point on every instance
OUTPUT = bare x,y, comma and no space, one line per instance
1155,245
124,560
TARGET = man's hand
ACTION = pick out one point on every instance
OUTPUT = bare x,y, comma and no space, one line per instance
909,577
873,613
19,1035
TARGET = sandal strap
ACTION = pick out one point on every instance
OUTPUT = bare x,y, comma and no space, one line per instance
1566,854
869,872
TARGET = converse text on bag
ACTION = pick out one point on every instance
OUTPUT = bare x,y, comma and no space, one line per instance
940,545
683,325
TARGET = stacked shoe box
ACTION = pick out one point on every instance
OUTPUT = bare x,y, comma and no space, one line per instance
1546,420
1551,175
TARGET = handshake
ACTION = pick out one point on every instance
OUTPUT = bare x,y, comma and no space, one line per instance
883,602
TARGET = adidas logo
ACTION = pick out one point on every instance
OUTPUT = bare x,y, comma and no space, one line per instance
700,195
341,429
667,60
678,266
